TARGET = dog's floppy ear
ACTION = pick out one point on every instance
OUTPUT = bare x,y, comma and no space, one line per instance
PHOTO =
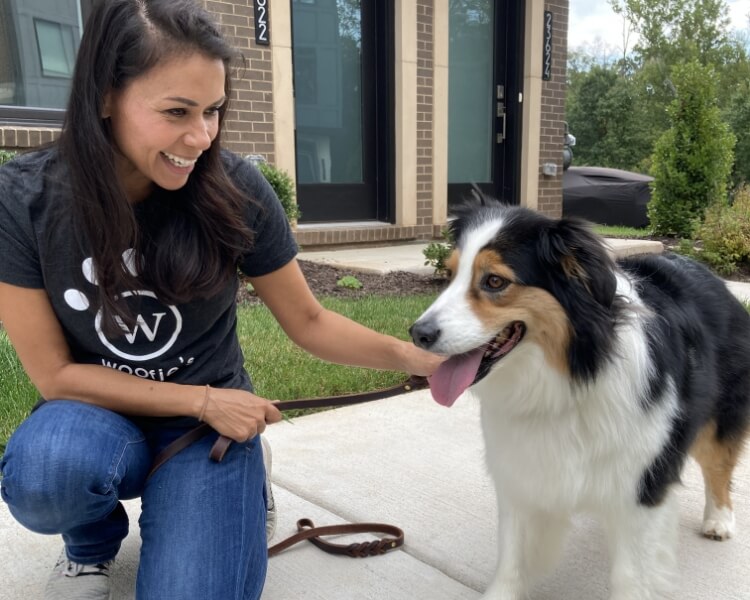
570,246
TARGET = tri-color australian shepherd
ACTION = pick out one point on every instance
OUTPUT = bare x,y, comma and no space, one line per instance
596,380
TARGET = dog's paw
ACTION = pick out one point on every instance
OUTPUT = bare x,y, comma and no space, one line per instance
718,524
718,529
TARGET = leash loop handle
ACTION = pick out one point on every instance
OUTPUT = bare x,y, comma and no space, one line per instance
306,530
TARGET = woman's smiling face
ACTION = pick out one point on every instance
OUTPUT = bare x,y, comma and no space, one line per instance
163,120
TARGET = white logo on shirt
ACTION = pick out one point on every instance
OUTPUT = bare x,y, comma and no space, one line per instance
156,325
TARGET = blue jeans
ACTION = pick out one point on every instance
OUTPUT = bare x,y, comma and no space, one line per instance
202,523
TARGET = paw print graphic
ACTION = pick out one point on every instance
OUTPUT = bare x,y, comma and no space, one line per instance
156,325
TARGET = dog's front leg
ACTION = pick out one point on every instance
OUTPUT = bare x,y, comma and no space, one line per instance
530,545
508,581
643,545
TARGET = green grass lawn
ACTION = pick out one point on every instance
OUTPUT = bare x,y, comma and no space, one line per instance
17,395
618,231
280,370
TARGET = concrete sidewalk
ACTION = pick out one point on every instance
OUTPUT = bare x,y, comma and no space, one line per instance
412,463
410,258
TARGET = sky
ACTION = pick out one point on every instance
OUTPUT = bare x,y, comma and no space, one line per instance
592,19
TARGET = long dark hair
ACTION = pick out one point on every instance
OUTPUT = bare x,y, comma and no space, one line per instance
191,247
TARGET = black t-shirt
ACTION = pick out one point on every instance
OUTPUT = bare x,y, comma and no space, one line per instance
192,343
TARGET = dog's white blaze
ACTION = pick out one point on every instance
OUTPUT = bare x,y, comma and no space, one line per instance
461,330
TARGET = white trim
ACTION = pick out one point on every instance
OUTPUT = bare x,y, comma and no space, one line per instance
406,112
283,90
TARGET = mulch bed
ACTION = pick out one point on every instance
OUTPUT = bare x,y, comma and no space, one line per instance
322,280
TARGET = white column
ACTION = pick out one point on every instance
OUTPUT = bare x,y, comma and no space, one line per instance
406,112
283,87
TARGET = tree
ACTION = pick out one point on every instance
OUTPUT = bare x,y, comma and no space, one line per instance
738,117
606,114
618,117
692,160
673,31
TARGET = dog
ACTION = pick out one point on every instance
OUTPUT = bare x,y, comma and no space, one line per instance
596,379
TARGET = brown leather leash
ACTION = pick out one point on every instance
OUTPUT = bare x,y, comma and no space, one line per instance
307,531
305,527
221,445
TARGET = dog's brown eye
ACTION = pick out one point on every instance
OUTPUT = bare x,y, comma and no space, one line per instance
495,283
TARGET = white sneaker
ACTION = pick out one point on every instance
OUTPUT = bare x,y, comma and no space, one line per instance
270,504
73,581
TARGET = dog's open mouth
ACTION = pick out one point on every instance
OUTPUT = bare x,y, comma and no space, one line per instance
463,370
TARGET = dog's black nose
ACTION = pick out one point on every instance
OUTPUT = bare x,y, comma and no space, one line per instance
424,333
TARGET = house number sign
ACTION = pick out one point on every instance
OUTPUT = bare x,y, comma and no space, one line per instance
547,64
262,27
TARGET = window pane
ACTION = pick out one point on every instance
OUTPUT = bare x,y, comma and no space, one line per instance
328,90
38,43
470,96
56,48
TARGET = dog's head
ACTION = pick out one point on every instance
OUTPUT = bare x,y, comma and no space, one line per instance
518,278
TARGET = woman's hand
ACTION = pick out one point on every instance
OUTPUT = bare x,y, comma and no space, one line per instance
237,414
420,362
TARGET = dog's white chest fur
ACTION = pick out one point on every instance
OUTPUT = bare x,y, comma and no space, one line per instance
563,447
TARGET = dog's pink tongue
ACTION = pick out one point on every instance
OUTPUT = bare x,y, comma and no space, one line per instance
454,376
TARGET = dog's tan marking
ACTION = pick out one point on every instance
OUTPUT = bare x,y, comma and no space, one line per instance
546,322
717,460
451,263
547,325
573,270
489,261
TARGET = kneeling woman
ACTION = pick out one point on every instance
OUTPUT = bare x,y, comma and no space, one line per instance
120,246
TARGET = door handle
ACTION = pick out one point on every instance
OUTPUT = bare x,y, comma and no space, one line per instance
500,113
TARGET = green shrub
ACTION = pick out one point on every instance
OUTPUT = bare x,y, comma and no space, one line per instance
6,155
350,282
725,234
283,185
692,160
436,253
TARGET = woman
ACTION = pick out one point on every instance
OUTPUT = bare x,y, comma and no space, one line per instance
123,242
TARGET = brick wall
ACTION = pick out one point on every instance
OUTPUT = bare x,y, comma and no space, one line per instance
553,112
248,128
425,40
22,138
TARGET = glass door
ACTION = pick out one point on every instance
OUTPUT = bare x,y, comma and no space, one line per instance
483,88
335,85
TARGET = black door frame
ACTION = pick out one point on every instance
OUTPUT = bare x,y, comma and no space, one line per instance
508,72
374,199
